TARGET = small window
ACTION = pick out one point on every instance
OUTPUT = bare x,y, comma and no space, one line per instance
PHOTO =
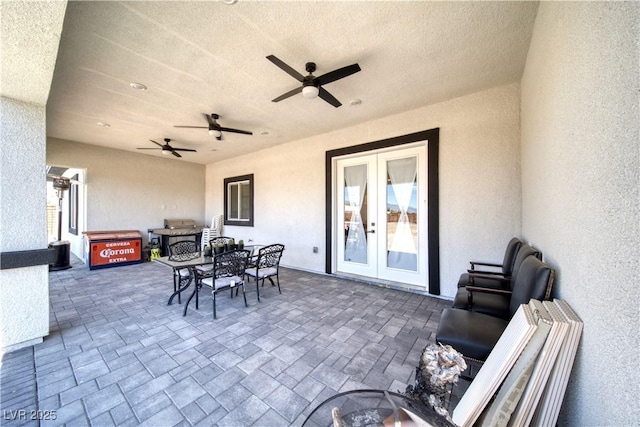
238,201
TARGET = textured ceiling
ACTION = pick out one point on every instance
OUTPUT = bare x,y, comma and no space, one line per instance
210,57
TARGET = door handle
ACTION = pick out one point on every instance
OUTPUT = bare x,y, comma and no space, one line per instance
371,231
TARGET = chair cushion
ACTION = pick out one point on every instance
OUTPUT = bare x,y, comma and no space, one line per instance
262,272
485,303
472,334
184,272
222,282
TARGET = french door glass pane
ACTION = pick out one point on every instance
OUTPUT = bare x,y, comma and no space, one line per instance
355,213
402,214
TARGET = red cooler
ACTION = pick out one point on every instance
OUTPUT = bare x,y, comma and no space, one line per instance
113,248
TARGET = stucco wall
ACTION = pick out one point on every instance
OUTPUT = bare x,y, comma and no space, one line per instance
24,294
581,201
127,190
480,198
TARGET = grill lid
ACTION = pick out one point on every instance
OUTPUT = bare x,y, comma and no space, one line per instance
179,223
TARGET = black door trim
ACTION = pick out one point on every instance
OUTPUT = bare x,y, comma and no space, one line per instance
433,138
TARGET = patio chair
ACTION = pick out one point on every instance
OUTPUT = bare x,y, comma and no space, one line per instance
227,273
496,303
212,243
475,334
181,275
219,239
215,230
266,266
505,269
216,226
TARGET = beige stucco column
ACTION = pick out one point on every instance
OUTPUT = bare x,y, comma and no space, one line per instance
30,36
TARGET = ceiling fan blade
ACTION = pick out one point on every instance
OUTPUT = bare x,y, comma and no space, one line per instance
158,144
288,94
183,149
338,74
244,132
293,73
329,98
192,127
175,154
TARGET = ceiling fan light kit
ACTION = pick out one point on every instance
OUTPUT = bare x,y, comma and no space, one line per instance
310,91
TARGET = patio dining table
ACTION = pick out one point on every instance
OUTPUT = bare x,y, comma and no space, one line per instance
191,261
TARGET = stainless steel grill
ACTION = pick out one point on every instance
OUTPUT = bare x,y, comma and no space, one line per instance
179,224
176,230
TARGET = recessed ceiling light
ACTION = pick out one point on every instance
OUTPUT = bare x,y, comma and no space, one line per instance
138,86
355,102
104,125
230,1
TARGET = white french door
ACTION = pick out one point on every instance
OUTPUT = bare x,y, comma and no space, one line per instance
381,209
356,216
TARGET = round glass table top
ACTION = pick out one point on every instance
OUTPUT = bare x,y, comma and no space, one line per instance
369,408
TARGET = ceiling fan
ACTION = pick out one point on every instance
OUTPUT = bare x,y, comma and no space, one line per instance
167,149
312,85
214,128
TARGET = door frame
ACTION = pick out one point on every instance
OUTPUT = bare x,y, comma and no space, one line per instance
431,136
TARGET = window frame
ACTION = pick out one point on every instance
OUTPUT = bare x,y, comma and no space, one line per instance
237,180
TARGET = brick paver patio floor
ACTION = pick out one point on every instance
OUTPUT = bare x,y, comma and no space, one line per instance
117,354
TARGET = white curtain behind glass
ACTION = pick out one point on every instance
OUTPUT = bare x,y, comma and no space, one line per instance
402,244
355,178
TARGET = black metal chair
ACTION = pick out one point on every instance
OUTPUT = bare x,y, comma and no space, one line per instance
266,266
212,243
227,273
477,277
181,275
220,239
475,334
